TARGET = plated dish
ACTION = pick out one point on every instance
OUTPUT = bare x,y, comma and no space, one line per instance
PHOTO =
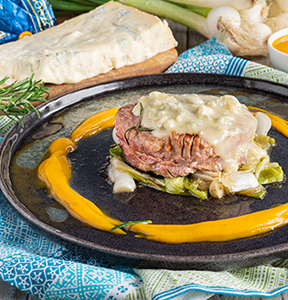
26,148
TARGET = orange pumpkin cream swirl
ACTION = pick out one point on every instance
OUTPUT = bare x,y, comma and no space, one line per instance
55,171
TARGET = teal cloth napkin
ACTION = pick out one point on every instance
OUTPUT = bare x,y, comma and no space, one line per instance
49,271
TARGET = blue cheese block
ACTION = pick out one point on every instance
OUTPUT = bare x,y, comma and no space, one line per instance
109,37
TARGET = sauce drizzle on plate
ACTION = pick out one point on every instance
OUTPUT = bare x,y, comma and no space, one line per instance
55,172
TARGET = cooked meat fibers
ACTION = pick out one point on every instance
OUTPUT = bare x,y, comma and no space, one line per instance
174,155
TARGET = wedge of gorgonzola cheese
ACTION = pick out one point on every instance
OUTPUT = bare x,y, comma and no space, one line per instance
109,37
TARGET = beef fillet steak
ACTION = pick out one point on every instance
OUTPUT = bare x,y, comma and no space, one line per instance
174,155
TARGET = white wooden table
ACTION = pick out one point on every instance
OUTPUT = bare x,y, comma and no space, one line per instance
187,38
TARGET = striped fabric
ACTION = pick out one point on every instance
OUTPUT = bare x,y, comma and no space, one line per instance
236,66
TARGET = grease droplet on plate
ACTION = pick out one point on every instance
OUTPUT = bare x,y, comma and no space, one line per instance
56,214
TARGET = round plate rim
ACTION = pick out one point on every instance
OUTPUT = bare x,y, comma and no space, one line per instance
117,85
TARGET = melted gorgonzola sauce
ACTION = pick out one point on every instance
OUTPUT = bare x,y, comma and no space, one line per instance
223,122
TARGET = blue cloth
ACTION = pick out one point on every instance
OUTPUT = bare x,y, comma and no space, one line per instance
23,17
209,57
213,57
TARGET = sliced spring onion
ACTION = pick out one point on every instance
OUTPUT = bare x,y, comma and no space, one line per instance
264,123
261,165
254,193
116,151
176,185
271,175
264,141
140,177
243,181
217,189
123,182
280,124
184,186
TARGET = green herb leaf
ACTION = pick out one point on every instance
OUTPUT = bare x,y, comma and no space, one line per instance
16,99
129,223
138,126
125,133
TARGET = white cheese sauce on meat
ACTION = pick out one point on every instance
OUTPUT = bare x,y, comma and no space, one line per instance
223,122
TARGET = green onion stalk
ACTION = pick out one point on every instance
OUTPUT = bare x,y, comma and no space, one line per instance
173,12
192,16
74,6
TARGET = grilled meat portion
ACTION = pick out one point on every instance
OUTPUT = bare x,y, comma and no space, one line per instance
174,155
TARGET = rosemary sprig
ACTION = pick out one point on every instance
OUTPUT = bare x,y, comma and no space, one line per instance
170,173
16,99
129,223
138,126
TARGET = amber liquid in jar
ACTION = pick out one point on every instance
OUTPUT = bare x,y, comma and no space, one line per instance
281,44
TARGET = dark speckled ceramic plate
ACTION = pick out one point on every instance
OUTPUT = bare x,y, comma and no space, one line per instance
22,150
